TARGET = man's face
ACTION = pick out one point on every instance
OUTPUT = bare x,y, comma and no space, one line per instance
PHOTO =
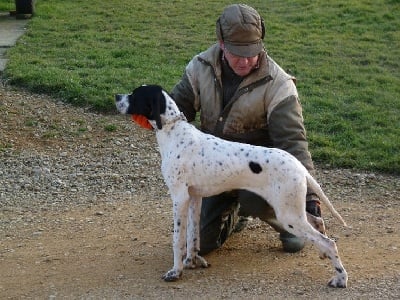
242,66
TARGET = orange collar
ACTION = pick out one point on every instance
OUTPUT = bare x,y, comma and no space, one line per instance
142,121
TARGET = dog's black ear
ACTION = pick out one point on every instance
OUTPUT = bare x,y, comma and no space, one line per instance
157,103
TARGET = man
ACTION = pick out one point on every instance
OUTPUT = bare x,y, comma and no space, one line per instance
243,96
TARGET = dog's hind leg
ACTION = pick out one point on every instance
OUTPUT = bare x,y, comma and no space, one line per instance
193,259
296,223
180,211
317,223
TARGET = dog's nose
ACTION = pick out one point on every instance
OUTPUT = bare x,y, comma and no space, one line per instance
118,97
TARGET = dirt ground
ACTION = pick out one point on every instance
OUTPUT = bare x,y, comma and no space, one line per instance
90,237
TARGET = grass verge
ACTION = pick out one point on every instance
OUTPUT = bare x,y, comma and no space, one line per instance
345,55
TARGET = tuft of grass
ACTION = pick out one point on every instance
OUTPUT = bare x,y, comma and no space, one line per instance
110,127
31,123
343,53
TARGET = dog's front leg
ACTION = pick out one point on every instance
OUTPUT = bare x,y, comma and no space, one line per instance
180,210
193,259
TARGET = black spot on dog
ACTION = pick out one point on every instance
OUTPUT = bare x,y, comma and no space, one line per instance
290,226
339,270
255,167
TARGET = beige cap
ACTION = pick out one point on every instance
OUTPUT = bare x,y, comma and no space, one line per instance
241,29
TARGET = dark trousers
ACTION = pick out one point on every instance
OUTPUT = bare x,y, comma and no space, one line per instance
220,214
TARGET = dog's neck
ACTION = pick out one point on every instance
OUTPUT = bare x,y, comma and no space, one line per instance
172,113
171,116
171,121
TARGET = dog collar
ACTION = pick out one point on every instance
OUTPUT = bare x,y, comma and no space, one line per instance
143,122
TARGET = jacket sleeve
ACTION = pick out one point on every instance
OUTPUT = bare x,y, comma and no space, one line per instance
184,97
287,132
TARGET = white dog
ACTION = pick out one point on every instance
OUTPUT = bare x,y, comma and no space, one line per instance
197,165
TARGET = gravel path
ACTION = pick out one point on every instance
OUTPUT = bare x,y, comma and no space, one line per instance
84,213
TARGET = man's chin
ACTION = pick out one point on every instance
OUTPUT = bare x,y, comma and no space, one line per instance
242,72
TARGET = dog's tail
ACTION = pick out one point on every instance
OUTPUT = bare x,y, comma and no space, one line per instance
315,187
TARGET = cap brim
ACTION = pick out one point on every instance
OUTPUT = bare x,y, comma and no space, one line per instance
245,50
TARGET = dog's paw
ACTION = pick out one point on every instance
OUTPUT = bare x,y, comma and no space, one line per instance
195,262
338,282
172,275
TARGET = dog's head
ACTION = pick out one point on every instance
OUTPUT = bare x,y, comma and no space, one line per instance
146,103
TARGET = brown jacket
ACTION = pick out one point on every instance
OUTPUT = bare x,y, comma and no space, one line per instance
265,110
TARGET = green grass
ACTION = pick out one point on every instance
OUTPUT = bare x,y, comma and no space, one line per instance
7,5
345,55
